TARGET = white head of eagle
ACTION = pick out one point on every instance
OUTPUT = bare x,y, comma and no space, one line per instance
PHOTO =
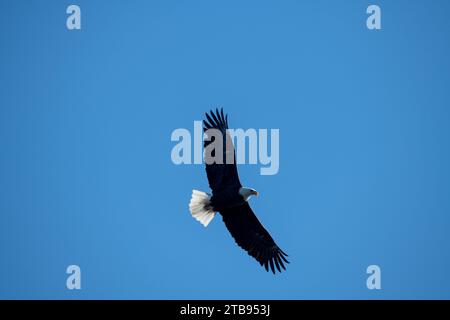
230,199
246,193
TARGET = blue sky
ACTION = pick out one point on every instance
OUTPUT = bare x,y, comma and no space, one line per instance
86,176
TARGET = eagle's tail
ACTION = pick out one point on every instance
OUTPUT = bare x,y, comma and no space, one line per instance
200,207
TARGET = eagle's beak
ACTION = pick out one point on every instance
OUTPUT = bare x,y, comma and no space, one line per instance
256,193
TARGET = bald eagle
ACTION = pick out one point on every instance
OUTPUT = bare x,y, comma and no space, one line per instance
230,199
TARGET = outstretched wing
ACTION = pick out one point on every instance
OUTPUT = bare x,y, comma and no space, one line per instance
251,236
221,174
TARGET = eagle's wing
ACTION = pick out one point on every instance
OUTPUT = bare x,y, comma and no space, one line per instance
251,236
221,175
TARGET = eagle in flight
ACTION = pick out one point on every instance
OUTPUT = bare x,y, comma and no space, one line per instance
230,199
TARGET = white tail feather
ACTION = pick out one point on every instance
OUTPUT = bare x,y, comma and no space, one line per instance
200,207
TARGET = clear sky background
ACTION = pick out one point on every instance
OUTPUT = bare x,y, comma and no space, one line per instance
86,176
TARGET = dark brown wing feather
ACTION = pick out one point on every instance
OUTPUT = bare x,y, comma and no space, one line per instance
251,236
221,175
